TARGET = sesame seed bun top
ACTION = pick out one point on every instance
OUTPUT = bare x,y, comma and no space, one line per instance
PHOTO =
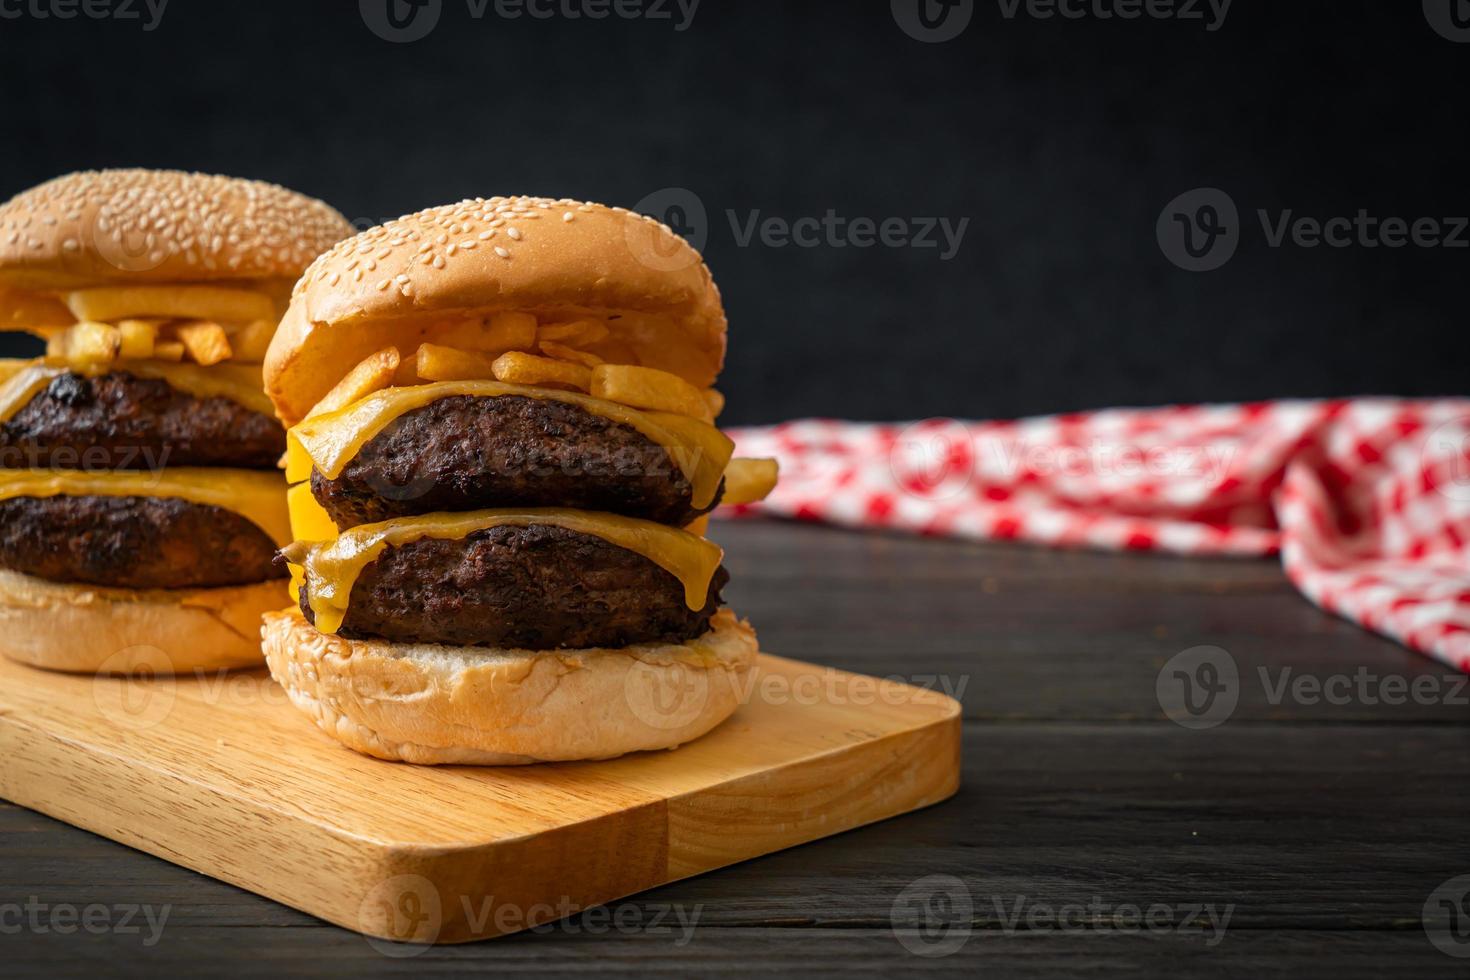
559,259
113,227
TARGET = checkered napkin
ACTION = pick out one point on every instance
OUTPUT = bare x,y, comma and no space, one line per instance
1366,500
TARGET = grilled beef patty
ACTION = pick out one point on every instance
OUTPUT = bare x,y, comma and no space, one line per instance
538,587
467,453
133,542
119,421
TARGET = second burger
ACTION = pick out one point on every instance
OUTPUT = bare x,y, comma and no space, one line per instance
502,448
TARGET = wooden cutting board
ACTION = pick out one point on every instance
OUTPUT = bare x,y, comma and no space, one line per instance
219,773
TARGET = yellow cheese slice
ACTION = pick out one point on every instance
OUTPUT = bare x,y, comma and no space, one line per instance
240,383
332,567
309,520
328,442
255,495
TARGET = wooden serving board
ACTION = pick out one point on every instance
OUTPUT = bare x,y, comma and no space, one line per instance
219,773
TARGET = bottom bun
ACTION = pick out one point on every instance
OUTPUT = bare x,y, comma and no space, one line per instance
93,629
431,704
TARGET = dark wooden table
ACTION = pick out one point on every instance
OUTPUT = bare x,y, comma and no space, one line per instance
1321,825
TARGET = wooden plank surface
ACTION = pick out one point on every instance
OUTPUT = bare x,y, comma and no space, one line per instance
1327,827
220,775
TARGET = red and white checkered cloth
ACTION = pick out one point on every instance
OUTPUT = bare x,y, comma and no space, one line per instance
1366,500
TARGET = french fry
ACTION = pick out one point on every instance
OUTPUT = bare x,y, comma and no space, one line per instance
251,341
205,341
407,374
436,363
578,333
114,303
138,337
519,368
21,310
749,480
168,350
92,343
564,353
510,331
715,401
496,334
372,373
650,388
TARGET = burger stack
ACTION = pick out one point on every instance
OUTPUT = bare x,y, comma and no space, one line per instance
140,504
501,450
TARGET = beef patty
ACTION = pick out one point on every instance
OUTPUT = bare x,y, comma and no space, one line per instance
538,587
122,421
133,542
467,453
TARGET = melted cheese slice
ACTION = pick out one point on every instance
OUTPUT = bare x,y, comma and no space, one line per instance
329,442
253,494
332,567
240,383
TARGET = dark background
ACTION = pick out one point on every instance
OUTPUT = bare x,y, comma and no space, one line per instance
1061,141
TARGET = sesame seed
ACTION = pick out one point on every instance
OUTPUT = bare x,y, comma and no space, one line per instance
502,252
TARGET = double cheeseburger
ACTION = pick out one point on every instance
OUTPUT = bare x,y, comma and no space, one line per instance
502,450
140,500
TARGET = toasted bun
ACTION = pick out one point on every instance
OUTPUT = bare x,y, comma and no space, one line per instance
432,704
87,629
135,226
558,258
